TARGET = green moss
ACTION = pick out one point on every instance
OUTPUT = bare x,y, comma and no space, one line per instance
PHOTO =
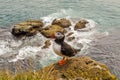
51,30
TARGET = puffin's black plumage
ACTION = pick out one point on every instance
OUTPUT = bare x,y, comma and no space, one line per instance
66,49
59,41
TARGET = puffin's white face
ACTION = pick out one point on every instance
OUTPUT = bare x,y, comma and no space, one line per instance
59,35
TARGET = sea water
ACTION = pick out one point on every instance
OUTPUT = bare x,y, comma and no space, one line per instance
101,14
105,12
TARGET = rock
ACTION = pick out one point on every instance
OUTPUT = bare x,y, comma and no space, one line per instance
51,29
47,44
62,22
69,34
27,28
81,24
81,68
71,38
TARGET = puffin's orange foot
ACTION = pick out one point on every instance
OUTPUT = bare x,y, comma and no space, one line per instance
62,62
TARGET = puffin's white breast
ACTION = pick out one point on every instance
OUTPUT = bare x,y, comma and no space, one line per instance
57,48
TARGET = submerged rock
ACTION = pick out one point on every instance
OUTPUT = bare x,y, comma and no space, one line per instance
81,68
27,28
47,44
51,29
71,38
81,24
69,34
62,22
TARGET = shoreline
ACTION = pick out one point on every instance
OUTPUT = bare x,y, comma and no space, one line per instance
105,50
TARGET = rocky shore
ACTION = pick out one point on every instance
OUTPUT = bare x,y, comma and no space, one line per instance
79,68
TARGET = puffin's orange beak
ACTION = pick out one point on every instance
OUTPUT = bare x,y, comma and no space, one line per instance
52,36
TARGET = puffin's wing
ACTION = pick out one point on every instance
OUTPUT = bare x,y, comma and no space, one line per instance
67,50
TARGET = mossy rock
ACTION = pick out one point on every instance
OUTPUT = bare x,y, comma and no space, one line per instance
62,22
27,28
80,24
50,30
81,68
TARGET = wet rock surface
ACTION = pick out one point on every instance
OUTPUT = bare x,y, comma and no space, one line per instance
62,22
27,28
71,38
69,34
80,24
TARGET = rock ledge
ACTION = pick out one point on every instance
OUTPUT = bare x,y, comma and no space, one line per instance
81,68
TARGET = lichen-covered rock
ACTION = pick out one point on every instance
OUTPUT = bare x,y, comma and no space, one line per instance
80,24
50,30
27,28
62,22
82,68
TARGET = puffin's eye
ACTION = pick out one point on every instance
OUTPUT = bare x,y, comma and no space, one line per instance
58,33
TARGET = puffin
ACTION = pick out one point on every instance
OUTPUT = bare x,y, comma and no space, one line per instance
61,48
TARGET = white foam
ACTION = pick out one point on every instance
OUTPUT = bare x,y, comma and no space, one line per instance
83,36
91,24
28,51
60,13
25,52
47,57
6,46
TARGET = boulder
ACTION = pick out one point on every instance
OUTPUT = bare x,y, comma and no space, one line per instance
81,68
51,29
62,22
27,28
80,24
